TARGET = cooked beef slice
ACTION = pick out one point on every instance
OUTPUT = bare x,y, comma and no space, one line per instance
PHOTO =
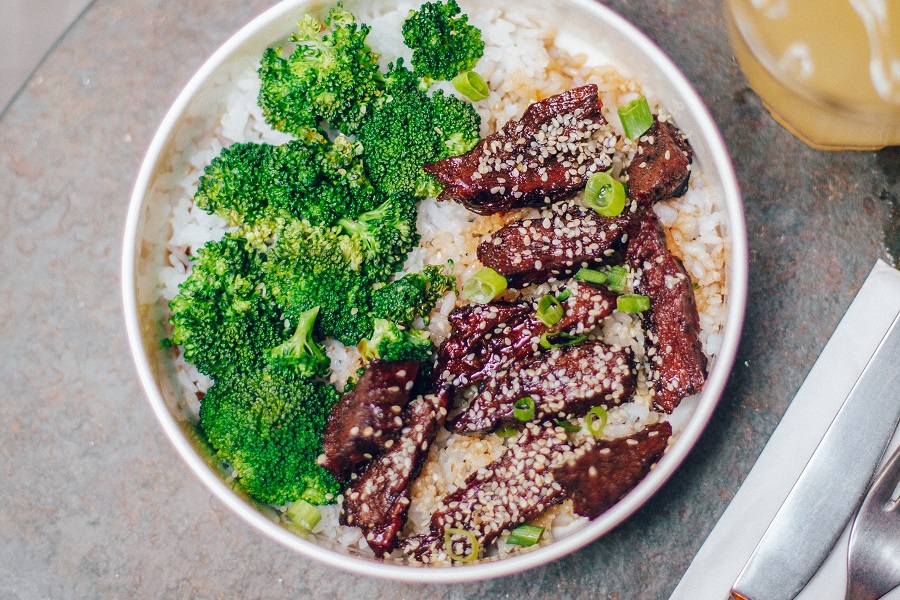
545,156
677,364
586,306
661,166
484,336
557,245
377,501
367,419
599,473
567,382
563,383
488,339
513,489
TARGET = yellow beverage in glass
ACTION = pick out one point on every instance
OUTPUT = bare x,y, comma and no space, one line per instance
828,70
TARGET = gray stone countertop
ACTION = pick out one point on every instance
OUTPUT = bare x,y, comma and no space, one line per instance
95,503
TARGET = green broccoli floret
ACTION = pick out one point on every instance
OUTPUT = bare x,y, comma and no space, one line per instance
399,137
312,266
268,425
413,295
322,183
302,247
300,352
222,315
442,41
308,178
457,123
345,301
331,76
405,131
236,184
386,234
393,343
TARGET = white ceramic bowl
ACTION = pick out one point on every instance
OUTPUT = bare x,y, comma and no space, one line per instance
584,25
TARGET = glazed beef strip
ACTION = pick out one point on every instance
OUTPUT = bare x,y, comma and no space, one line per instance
586,306
661,166
487,337
510,334
483,337
545,156
377,501
513,489
368,419
557,245
676,360
598,474
564,383
567,382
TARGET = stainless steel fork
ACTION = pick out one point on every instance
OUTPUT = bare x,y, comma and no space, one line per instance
873,562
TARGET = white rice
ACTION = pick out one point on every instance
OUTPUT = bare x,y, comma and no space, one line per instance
521,66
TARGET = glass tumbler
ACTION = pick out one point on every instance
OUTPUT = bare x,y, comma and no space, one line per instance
827,70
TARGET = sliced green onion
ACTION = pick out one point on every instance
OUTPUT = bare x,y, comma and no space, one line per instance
484,286
595,421
605,195
448,545
304,514
506,432
559,339
471,85
591,276
525,535
523,409
549,310
564,296
568,426
616,278
636,118
632,303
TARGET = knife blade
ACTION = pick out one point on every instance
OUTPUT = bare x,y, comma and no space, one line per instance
832,485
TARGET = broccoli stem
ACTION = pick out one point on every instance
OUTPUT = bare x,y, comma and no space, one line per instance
300,351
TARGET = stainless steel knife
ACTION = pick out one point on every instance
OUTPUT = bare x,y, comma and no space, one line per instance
832,485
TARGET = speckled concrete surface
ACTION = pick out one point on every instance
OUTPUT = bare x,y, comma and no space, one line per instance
96,504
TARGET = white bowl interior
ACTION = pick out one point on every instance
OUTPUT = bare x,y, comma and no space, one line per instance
584,26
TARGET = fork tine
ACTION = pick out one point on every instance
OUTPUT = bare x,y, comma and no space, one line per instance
883,489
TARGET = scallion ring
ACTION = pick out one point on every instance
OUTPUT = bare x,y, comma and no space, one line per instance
564,295
605,195
471,85
484,286
448,545
525,535
595,421
591,276
304,514
616,279
632,303
524,408
636,118
559,339
549,310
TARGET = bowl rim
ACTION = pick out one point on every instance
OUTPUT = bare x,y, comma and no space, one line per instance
737,269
